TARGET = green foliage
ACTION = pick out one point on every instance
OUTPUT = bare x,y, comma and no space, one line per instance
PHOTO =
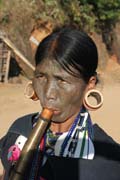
17,17
50,10
53,10
88,18
1,1
79,14
107,12
87,14
5,19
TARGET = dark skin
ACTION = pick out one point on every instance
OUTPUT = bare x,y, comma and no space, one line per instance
60,91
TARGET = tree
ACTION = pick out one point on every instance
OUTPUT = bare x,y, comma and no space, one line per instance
107,13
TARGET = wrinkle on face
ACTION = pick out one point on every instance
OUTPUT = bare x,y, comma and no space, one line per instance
58,89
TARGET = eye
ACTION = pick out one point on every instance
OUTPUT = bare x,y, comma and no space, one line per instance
40,76
61,81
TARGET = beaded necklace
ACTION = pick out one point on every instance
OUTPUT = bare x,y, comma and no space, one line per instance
69,135
75,143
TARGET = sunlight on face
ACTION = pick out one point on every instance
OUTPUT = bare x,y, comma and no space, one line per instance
58,90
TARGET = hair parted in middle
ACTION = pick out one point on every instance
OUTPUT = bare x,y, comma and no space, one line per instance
72,49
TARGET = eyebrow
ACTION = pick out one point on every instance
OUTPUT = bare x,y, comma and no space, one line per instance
59,77
64,78
36,72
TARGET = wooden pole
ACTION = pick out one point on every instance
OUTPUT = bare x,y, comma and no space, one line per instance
17,52
7,67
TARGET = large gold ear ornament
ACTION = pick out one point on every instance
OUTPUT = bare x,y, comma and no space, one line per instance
95,96
29,92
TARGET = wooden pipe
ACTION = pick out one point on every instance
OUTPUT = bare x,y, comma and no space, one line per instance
18,172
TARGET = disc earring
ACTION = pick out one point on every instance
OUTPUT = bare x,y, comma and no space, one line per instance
97,96
29,92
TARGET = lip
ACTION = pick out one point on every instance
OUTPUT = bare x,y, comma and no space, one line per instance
55,111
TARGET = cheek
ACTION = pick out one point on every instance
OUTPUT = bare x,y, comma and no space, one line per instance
38,88
72,99
76,94
75,100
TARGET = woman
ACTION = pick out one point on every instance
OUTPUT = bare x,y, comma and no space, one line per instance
71,148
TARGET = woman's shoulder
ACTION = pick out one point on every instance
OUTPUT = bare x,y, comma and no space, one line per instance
22,125
105,145
82,169
101,135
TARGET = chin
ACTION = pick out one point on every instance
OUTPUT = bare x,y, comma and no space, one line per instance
56,119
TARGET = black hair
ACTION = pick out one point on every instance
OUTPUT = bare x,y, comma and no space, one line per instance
70,48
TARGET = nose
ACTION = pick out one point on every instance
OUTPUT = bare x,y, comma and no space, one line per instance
51,91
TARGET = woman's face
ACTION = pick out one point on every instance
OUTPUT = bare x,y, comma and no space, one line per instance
58,90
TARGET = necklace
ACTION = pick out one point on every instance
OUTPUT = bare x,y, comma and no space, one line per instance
76,143
69,135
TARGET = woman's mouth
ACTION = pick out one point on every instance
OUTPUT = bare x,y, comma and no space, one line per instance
54,110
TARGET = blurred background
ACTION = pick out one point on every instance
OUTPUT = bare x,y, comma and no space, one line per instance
24,23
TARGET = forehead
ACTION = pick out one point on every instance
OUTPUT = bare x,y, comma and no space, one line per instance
49,64
53,67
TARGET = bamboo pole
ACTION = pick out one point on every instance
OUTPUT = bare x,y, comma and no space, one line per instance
7,67
17,52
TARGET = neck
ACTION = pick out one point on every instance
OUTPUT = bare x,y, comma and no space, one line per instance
64,126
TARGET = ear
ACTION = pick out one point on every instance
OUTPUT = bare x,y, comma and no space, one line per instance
91,83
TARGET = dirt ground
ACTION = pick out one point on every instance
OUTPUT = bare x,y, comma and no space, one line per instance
13,105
